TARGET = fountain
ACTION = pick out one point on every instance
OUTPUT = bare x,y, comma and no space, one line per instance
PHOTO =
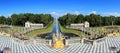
57,37
58,42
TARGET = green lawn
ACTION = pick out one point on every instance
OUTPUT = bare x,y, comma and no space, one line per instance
104,29
13,29
67,30
40,31
16,29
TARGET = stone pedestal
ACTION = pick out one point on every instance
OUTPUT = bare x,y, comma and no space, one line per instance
94,42
50,42
82,41
66,42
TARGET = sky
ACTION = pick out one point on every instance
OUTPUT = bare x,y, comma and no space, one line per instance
60,7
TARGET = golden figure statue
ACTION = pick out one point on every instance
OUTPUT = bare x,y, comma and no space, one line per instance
58,43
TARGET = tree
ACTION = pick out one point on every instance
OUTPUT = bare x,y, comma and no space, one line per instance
2,19
8,21
79,19
20,19
93,19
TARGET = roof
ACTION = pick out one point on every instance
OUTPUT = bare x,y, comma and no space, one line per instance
77,24
86,22
27,22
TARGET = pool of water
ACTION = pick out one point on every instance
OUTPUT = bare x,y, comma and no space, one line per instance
56,29
69,35
50,35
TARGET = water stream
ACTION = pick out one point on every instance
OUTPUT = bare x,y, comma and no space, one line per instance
56,29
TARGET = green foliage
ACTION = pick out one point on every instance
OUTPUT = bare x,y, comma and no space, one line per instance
2,19
79,17
67,30
40,31
93,19
67,19
20,19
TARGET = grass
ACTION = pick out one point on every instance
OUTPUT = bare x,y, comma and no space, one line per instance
40,31
12,30
104,29
67,30
16,29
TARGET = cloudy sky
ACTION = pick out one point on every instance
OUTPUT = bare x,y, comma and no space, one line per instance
60,7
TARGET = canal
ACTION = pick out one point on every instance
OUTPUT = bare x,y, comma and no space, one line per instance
56,29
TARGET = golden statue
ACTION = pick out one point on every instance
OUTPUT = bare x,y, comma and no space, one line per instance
58,43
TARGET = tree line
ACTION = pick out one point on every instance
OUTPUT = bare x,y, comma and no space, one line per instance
20,19
93,19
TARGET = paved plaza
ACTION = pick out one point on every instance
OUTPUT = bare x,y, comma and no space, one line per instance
17,46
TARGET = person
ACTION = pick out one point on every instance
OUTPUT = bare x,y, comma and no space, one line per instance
1,51
118,51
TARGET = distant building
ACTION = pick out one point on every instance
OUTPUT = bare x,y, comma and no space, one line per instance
33,25
75,26
80,25
86,24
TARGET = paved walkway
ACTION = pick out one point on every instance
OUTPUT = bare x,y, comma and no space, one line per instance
40,47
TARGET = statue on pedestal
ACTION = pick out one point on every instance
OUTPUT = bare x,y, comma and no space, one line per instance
58,40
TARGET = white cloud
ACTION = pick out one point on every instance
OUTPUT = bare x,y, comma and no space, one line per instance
112,13
94,12
64,13
77,12
55,14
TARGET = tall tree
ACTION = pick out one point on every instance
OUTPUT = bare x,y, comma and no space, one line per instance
2,19
79,19
93,19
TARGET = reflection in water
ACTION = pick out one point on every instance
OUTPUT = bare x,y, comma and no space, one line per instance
56,29
69,35
49,35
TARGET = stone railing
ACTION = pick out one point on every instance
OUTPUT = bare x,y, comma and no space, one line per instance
73,40
93,42
32,41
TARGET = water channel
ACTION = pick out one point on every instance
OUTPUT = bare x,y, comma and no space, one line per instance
56,29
